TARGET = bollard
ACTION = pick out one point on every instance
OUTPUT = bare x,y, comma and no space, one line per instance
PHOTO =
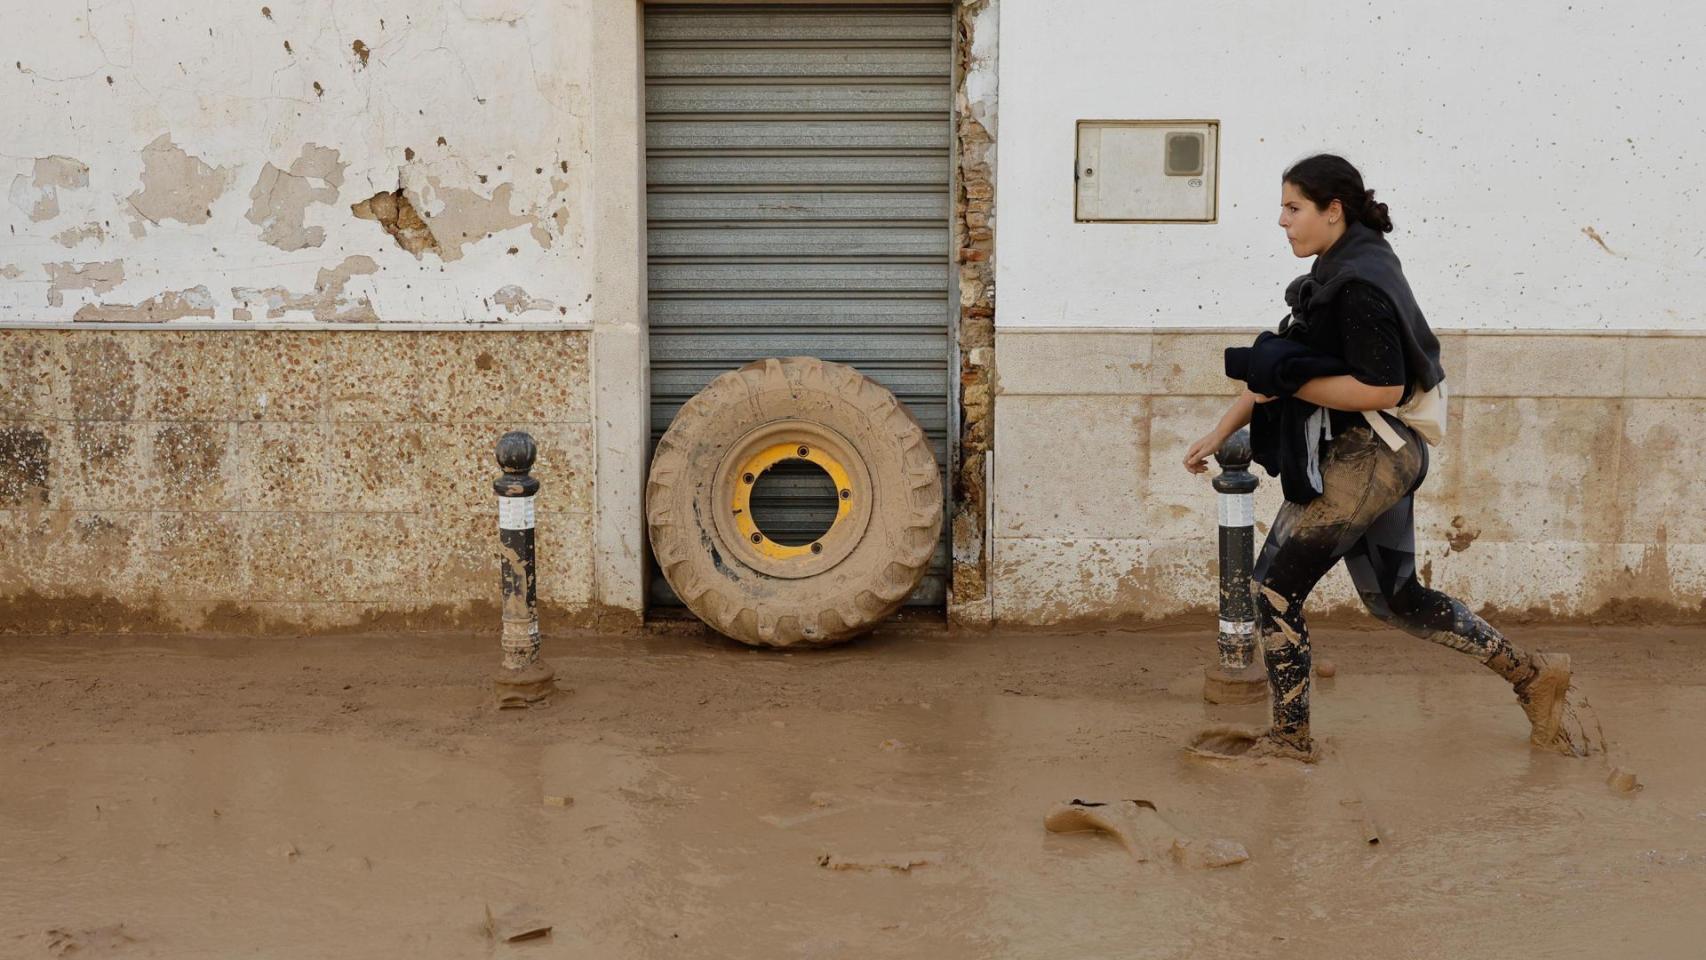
523,677
1236,676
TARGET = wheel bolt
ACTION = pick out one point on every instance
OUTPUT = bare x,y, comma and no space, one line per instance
758,538
817,548
846,494
805,451
747,478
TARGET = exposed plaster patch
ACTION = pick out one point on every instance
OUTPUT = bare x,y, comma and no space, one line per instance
37,195
279,200
328,303
397,215
72,236
99,276
515,300
62,172
175,185
466,217
10,271
170,305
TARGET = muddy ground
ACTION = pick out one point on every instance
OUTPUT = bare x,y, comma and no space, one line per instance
343,797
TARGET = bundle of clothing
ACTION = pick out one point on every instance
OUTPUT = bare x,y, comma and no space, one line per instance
1286,435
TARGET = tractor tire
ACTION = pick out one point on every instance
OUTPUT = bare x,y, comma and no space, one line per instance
763,593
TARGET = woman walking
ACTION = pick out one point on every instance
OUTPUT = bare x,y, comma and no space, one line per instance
1318,403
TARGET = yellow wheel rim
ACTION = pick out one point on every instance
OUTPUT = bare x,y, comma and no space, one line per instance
755,467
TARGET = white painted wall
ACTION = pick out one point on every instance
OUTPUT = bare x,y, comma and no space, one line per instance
1498,133
503,82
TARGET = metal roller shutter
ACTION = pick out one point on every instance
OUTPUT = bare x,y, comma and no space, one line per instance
797,175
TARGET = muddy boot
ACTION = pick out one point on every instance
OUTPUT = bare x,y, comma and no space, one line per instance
1545,698
1275,743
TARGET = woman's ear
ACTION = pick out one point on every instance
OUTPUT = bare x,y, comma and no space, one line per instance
1335,211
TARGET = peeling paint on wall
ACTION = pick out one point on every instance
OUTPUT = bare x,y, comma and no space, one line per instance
468,218
328,302
37,194
75,236
170,305
398,217
515,300
100,277
189,143
175,185
279,200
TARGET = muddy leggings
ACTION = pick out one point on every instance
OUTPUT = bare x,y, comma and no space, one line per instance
1364,516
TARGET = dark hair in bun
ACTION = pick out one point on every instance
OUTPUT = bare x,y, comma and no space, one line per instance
1326,177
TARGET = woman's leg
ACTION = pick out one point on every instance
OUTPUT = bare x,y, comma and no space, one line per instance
1361,479
1288,570
1382,564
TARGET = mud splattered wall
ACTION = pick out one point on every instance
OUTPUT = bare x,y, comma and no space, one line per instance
281,480
1547,218
273,279
297,160
1554,496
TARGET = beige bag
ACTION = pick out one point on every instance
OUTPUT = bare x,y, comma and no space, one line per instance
1425,413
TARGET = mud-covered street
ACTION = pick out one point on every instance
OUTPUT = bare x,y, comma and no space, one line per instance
686,797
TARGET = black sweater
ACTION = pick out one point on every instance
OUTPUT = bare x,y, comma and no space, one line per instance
1363,255
1286,434
1354,313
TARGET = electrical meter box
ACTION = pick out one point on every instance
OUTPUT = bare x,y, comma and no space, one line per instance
1148,171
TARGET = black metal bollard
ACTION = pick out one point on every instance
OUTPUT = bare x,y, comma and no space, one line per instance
1236,676
523,678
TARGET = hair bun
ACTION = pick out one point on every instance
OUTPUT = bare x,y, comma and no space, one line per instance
1375,213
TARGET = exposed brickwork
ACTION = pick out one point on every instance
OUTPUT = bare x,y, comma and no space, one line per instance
974,235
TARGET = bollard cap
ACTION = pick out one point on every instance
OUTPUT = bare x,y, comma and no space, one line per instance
516,453
1235,453
1234,458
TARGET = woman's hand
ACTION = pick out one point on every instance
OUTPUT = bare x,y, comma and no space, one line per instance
1236,418
1196,460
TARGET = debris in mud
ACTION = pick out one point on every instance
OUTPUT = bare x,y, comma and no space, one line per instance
1208,854
1623,781
285,851
897,862
1326,669
1144,832
515,925
64,943
556,801
1365,819
892,744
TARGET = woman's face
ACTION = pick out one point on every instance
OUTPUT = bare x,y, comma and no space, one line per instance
1311,230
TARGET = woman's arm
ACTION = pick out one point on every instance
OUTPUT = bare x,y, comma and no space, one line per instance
1349,394
1236,417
